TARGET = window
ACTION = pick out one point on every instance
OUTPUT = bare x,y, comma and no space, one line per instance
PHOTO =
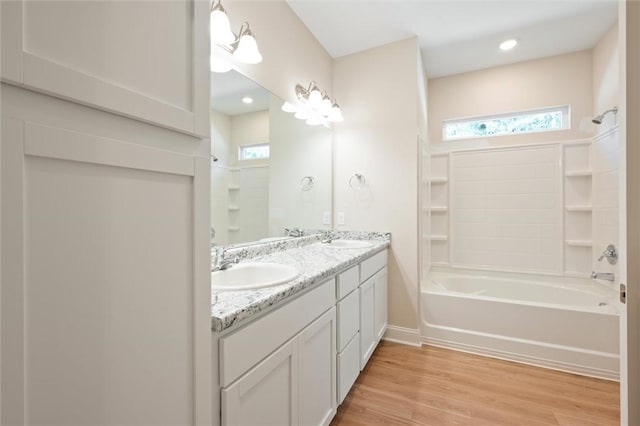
538,120
254,152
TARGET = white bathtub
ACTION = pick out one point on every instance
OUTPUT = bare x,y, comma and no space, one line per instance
571,326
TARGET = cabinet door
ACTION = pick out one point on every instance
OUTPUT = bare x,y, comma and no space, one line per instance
380,303
367,330
317,367
267,394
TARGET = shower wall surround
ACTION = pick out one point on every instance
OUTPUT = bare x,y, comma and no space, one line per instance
520,208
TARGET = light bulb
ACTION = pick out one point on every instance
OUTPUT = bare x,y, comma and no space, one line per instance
247,50
220,27
336,115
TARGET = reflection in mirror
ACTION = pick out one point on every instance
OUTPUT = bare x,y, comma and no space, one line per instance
272,170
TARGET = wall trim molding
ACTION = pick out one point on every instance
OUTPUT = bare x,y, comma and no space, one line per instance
403,335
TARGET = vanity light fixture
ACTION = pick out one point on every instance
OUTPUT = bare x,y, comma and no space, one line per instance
314,106
242,47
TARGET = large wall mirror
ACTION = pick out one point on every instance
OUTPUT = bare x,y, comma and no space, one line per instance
272,172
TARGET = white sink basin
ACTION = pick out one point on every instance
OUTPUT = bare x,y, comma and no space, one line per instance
251,275
348,244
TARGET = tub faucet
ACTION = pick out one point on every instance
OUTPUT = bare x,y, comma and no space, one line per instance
607,276
610,254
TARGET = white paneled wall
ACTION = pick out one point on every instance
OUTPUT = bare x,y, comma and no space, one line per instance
546,208
506,209
605,161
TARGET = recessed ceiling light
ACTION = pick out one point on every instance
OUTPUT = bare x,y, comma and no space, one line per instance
247,100
508,44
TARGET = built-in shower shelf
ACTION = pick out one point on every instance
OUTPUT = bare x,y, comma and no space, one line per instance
578,173
439,180
438,237
579,243
583,208
438,209
233,228
233,208
233,188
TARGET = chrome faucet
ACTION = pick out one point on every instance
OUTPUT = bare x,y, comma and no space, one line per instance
326,238
293,232
607,276
611,254
222,262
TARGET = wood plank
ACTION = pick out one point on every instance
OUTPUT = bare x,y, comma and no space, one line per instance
435,386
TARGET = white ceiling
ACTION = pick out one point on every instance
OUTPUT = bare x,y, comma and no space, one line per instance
459,35
228,89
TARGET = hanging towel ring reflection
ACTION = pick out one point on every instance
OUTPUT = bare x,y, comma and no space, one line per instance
306,183
357,181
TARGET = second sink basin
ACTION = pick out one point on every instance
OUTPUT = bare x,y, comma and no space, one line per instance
348,244
252,275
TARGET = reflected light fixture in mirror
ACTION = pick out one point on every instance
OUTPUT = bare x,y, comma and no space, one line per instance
225,45
314,106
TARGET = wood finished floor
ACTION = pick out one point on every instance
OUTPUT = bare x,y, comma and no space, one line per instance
403,385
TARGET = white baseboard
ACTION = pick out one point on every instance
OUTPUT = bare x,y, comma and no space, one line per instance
406,336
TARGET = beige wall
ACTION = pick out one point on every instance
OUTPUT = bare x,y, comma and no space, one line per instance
291,54
378,89
558,80
606,70
249,129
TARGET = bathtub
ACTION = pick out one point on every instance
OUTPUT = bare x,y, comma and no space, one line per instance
564,324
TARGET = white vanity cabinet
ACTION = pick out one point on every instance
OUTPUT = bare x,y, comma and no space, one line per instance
281,369
348,309
295,364
373,304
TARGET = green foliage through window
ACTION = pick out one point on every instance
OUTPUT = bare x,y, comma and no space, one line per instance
516,123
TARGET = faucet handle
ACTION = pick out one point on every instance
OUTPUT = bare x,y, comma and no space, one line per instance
611,254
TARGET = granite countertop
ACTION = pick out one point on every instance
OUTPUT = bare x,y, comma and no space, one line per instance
316,263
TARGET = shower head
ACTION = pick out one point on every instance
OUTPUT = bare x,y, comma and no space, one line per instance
598,119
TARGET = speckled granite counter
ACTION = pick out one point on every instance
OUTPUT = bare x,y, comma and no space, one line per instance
316,263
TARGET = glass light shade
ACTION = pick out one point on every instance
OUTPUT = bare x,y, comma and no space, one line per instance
316,120
219,64
301,115
247,50
289,107
221,28
325,106
336,115
315,98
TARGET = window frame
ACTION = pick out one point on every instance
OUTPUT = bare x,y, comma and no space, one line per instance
565,122
241,149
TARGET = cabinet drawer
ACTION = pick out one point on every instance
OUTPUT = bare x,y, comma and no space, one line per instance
348,281
348,367
246,347
348,318
372,265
